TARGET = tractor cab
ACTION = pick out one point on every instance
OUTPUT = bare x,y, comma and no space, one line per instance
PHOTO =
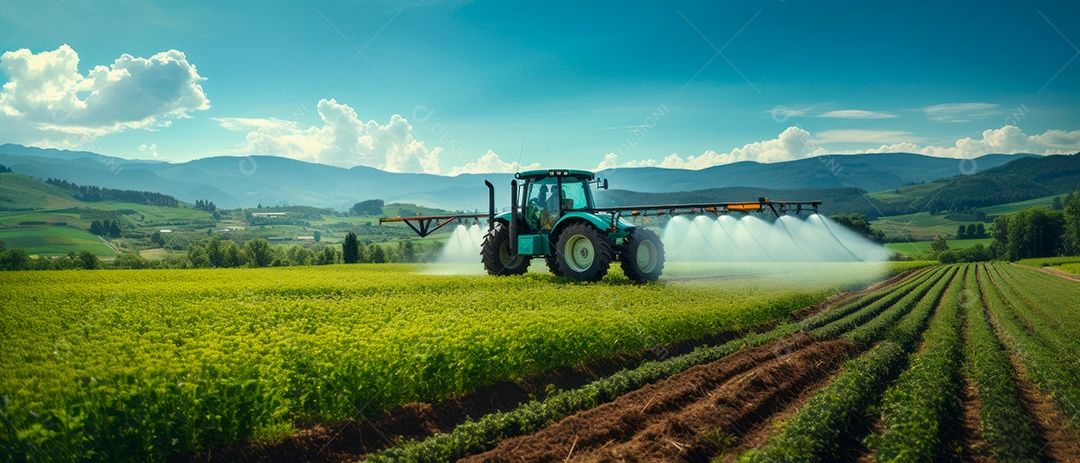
548,194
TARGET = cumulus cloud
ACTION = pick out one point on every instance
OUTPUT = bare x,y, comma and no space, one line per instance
793,143
490,163
796,143
1006,140
47,101
959,112
342,140
857,114
149,149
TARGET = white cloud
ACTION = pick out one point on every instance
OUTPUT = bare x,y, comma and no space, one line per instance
1006,140
491,164
343,140
796,143
149,149
611,161
857,114
793,143
959,112
866,136
46,101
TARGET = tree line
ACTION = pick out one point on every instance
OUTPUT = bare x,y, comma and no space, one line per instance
1038,231
217,252
91,193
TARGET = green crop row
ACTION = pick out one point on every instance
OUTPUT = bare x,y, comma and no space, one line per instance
873,302
1037,342
906,297
904,321
1005,425
813,433
917,407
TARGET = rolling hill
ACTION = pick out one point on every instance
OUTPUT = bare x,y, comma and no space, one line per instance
245,182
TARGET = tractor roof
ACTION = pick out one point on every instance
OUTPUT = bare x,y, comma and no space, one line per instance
539,174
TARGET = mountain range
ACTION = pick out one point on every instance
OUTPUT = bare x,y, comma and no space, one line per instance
232,182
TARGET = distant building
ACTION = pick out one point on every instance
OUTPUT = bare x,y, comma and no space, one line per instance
305,238
164,231
268,214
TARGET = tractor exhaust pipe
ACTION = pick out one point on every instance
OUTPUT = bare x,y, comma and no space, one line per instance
513,216
491,205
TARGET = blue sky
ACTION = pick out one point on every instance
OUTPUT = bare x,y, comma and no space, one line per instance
450,87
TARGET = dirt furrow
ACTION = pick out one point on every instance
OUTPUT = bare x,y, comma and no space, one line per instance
665,421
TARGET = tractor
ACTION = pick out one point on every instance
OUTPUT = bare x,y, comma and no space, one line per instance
557,219
553,215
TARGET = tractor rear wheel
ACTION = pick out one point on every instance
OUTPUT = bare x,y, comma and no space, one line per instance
583,252
642,256
495,253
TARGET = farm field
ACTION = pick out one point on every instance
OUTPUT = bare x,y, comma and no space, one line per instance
912,247
144,365
52,241
970,362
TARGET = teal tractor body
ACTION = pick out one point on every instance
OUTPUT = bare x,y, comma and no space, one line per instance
553,216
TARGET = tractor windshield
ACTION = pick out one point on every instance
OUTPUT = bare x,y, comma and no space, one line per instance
542,204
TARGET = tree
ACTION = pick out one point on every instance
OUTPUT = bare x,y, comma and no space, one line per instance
999,231
232,255
407,251
328,256
95,228
1035,232
858,223
378,254
940,244
14,259
214,252
1072,225
89,260
114,229
972,231
317,235
197,257
350,249
1057,206
369,207
258,252
961,232
980,231
157,239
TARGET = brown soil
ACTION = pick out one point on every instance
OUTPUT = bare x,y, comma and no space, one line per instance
678,419
1060,443
972,447
760,433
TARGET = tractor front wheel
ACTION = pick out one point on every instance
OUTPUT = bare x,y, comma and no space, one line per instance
583,252
495,253
642,256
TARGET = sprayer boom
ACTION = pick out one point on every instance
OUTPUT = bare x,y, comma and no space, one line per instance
425,225
553,215
762,204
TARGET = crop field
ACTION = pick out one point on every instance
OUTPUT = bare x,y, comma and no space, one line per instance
51,241
911,247
973,362
145,365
